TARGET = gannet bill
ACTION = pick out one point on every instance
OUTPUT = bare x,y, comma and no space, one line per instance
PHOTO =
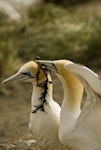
79,129
45,112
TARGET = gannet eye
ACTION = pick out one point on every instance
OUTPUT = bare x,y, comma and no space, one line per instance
27,74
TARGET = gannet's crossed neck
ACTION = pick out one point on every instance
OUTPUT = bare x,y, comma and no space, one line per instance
70,109
44,93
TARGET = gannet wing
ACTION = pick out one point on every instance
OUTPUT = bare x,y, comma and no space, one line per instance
89,76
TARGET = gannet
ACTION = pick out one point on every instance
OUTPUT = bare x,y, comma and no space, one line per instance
79,129
45,112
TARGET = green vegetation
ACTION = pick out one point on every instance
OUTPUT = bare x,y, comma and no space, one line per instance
55,33
52,32
66,3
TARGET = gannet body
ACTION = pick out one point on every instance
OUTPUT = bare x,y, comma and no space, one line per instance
45,112
79,129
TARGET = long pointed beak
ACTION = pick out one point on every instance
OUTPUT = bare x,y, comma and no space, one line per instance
49,64
16,77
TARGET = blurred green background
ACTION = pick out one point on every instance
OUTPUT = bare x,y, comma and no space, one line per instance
52,29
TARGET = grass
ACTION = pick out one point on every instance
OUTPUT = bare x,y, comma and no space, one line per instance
55,33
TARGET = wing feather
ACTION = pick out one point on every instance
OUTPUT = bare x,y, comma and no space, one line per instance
89,76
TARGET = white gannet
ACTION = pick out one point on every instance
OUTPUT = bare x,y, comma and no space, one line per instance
79,129
45,112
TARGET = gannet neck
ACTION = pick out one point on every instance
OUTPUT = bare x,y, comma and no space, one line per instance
70,110
72,97
41,95
73,90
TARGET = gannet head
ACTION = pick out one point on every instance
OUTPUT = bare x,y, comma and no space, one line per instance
29,72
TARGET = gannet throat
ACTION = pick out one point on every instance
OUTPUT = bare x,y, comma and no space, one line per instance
44,87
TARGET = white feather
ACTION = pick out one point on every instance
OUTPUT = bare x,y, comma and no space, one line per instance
86,74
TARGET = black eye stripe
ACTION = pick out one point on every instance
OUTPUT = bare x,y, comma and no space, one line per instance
26,73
